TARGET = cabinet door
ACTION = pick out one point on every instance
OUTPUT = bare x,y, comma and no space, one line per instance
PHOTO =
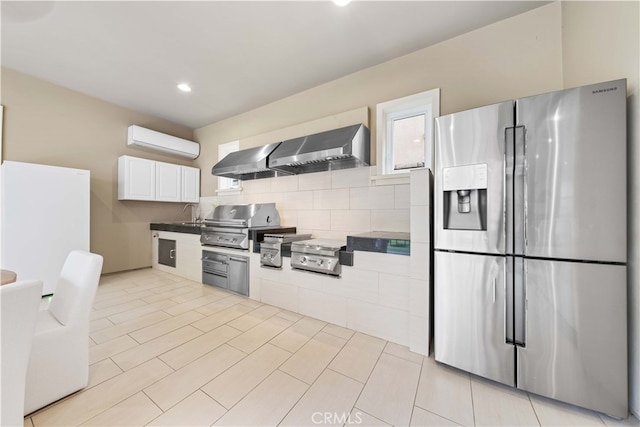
239,275
168,180
136,178
190,184
167,252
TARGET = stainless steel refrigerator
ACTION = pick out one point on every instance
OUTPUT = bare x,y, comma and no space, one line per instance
531,244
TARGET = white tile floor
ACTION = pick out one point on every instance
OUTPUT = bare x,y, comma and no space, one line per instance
170,352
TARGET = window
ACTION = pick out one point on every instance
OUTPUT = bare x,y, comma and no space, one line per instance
223,151
405,132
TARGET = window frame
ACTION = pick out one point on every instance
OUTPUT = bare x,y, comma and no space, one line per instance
427,103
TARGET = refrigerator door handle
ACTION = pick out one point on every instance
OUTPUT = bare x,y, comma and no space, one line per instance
508,187
519,192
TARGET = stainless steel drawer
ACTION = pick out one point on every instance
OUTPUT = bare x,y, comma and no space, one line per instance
215,262
214,267
215,280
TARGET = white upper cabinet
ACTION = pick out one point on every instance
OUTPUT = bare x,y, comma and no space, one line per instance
168,182
190,184
143,179
136,178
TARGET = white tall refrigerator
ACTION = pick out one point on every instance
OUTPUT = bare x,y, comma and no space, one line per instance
45,215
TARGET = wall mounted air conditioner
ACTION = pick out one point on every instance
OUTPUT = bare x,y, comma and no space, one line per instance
157,141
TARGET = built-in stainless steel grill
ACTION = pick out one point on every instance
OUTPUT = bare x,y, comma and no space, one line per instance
319,255
276,246
229,225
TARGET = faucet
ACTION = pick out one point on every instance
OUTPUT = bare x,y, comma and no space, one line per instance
193,211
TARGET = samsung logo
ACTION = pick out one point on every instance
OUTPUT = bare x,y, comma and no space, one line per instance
608,89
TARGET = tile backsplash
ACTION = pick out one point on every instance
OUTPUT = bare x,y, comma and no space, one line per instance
330,204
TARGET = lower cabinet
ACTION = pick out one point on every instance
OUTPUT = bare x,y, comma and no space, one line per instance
239,274
230,272
177,253
182,254
215,269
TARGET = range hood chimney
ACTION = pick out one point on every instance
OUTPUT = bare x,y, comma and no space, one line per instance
247,164
342,148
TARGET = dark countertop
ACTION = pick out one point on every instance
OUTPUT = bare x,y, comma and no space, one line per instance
256,234
177,227
380,241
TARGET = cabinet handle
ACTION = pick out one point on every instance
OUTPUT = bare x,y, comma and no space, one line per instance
213,261
238,259
172,253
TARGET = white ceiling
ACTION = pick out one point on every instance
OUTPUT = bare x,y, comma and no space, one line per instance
236,55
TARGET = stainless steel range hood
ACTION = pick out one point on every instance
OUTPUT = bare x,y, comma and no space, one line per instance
342,148
247,164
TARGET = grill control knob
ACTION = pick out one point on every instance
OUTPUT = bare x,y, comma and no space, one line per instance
320,262
303,260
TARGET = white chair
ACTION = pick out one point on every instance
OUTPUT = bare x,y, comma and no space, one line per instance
19,303
59,362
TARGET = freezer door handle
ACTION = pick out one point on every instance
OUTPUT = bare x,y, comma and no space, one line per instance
519,192
508,302
494,289
520,297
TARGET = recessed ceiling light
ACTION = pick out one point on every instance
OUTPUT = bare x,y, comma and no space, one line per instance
184,87
342,3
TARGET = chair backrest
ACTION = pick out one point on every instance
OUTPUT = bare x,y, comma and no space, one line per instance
19,304
76,288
